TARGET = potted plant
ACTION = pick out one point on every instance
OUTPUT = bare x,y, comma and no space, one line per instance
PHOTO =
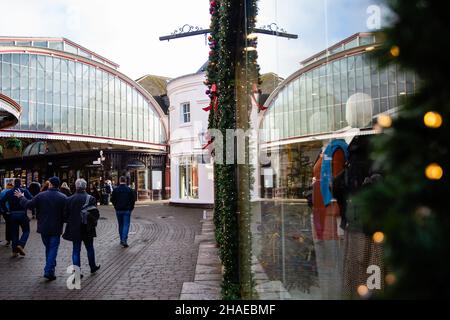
13,147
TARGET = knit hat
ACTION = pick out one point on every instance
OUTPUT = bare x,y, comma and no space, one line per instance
54,181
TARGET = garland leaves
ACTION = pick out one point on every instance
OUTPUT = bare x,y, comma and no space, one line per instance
231,74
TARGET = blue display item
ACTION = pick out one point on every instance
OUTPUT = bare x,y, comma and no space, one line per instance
326,171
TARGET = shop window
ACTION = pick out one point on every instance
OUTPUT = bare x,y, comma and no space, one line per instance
157,180
142,180
188,178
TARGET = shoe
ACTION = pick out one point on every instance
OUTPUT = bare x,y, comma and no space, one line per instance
125,245
50,277
94,270
14,255
20,250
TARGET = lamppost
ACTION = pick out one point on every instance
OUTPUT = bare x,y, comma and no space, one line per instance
101,160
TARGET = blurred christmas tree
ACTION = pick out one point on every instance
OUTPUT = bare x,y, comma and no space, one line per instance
409,208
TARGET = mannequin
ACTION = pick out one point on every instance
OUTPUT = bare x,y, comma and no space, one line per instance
327,241
325,217
328,232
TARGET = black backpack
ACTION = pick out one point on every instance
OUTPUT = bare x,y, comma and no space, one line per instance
89,214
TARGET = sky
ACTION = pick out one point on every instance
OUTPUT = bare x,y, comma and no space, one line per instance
127,32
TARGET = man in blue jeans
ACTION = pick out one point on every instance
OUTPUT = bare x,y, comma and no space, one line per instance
123,200
50,206
18,218
80,228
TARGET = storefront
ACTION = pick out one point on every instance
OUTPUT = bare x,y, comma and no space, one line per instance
142,169
315,135
80,117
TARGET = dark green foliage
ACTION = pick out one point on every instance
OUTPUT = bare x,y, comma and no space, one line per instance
410,209
14,143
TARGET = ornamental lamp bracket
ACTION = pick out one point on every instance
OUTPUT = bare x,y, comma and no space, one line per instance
187,31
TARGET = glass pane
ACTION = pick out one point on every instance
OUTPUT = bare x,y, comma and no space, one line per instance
69,48
92,101
85,103
55,45
111,107
40,116
99,102
42,44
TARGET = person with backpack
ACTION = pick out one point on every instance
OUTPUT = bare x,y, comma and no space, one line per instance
18,218
49,207
123,200
81,215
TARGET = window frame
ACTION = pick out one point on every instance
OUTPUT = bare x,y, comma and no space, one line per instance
185,116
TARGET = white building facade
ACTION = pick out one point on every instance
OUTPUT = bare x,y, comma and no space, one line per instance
191,169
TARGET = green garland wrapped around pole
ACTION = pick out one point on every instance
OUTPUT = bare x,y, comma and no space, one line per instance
231,75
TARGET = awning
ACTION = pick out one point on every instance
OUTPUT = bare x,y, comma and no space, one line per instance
136,164
10,112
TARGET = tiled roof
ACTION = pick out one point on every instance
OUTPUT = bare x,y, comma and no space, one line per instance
155,85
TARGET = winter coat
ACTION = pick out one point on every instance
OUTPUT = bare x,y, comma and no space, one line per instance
123,198
11,203
75,230
50,211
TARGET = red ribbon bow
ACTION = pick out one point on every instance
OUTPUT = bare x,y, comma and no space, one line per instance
215,101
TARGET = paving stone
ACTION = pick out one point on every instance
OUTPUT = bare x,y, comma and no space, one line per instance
161,257
202,269
214,276
195,287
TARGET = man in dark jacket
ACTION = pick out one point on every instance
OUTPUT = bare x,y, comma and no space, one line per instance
123,200
50,206
79,231
6,214
18,217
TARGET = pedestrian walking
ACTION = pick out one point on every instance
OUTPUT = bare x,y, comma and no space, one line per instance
81,215
65,189
18,218
123,200
6,214
93,191
107,190
50,207
34,188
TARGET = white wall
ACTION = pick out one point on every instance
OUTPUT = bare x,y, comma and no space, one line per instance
184,140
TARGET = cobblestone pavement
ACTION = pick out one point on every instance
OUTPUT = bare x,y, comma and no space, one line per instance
161,257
